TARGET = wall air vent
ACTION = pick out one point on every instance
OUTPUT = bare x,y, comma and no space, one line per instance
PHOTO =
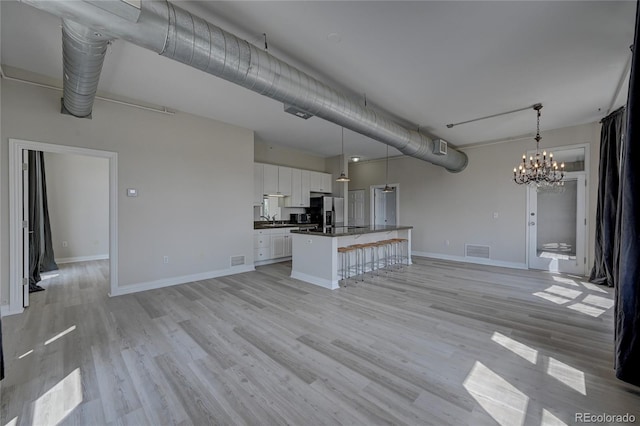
474,250
297,111
440,147
237,261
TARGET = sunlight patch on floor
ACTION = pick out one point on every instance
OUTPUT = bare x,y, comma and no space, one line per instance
504,403
563,291
12,422
563,280
549,419
48,276
567,374
59,401
59,335
552,298
587,309
26,354
599,301
516,347
593,287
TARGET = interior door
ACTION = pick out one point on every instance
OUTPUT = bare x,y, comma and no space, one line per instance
356,207
25,228
557,227
384,207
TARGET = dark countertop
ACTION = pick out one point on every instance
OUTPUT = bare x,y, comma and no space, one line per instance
343,231
260,225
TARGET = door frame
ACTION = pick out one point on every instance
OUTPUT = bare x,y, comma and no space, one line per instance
372,191
16,194
586,173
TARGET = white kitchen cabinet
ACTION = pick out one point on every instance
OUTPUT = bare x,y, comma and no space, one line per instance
299,189
258,170
261,245
321,182
284,180
270,179
277,246
273,245
288,246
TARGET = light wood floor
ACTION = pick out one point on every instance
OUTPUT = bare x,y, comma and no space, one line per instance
441,343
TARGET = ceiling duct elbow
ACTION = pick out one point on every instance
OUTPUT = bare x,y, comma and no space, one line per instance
179,35
83,52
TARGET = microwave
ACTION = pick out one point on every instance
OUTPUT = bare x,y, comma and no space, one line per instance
300,218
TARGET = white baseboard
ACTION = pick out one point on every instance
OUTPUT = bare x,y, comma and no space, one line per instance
475,260
82,258
314,280
5,311
167,282
271,261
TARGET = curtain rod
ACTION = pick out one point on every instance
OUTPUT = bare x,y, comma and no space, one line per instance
162,110
491,116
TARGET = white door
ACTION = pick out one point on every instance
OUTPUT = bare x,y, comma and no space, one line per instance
385,206
557,227
356,207
25,228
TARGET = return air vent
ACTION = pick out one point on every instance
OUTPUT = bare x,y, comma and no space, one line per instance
237,261
440,147
474,250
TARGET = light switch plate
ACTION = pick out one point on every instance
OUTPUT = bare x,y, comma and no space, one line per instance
132,192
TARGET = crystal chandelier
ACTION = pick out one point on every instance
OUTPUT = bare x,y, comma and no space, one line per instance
540,170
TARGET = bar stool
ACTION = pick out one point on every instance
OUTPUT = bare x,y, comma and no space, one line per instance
372,248
360,253
386,246
345,254
400,254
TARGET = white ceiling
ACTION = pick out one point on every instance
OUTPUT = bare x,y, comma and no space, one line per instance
425,63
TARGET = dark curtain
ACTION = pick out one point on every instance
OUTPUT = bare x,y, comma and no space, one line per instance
41,258
627,278
607,239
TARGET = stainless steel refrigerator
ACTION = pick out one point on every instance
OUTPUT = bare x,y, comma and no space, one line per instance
327,211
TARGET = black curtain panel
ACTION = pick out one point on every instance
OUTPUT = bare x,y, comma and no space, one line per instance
607,239
627,278
41,257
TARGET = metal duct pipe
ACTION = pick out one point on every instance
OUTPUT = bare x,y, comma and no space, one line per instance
83,52
175,33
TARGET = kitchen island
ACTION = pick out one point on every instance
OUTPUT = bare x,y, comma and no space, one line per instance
315,252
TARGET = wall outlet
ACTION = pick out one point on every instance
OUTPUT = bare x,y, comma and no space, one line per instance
65,244
495,215
165,259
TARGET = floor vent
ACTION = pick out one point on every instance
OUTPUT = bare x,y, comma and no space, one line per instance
474,250
237,261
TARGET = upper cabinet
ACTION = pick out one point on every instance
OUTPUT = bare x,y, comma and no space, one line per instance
276,180
258,170
320,182
299,189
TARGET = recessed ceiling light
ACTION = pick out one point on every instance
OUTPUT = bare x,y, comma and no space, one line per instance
355,159
334,37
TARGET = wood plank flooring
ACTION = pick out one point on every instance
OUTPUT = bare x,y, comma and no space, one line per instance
440,343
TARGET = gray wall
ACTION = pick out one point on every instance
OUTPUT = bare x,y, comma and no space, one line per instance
281,156
78,198
459,207
192,174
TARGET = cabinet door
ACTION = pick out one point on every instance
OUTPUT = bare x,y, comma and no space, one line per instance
287,245
270,179
315,181
305,188
284,181
295,200
258,192
277,246
327,182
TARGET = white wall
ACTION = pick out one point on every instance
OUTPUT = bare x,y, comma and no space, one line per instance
194,178
459,207
78,198
281,156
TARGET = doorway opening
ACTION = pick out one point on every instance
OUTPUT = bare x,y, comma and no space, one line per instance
385,206
556,217
19,226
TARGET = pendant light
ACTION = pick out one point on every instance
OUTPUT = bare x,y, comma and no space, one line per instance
387,188
342,177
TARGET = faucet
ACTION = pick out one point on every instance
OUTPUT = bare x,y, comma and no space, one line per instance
270,219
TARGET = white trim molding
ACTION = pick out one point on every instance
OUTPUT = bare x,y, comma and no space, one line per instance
82,258
16,146
478,261
331,285
5,311
184,279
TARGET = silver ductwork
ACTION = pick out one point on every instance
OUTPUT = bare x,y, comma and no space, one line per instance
83,52
179,35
